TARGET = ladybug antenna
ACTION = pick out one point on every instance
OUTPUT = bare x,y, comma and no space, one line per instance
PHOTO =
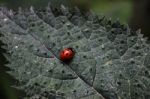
71,49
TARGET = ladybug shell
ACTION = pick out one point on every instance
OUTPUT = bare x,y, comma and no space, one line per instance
66,54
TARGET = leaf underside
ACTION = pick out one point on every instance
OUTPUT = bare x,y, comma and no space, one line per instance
111,61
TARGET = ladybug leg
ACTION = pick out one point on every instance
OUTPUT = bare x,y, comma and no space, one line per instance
61,62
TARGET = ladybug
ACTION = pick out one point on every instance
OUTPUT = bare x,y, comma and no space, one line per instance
67,54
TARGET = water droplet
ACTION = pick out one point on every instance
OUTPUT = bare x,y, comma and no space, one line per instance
103,46
15,37
5,19
16,47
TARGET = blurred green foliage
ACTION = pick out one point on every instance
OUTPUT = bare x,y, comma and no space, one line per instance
115,9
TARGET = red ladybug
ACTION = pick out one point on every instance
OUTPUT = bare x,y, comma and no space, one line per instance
66,54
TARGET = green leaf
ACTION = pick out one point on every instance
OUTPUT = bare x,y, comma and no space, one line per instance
110,61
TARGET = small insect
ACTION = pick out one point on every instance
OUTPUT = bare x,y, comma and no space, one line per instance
67,54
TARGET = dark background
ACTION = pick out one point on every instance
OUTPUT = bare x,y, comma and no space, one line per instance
136,13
